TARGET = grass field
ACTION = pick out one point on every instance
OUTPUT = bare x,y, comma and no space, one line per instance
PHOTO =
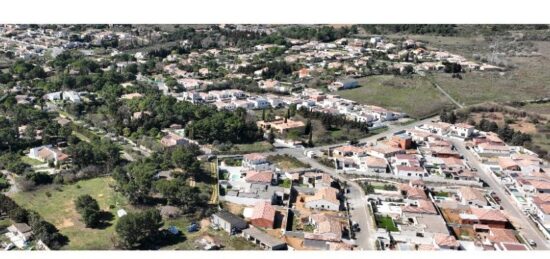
415,96
59,210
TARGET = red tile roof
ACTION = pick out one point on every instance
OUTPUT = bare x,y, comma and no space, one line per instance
259,177
263,210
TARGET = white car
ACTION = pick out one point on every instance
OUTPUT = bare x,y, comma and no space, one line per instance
9,247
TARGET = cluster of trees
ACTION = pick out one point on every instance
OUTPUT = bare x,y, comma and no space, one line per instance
42,230
98,152
507,134
138,180
437,29
24,70
224,127
331,120
140,229
323,33
88,208
452,67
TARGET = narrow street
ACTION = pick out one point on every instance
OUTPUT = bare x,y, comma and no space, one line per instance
522,222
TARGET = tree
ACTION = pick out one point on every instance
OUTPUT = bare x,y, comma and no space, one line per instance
310,139
307,128
45,231
271,136
136,229
88,209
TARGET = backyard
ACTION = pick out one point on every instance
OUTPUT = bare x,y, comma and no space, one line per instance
386,222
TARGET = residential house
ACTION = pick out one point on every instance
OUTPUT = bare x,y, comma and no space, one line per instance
406,171
462,130
384,151
325,198
263,215
48,153
263,239
255,161
471,196
373,164
349,150
491,217
259,177
20,231
229,222
172,139
541,206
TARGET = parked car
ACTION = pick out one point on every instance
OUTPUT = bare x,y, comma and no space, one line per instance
532,243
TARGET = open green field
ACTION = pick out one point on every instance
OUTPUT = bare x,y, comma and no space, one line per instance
521,84
414,95
60,211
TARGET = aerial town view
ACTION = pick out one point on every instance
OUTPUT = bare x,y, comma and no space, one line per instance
401,137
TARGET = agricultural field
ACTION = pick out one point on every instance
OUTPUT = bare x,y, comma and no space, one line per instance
413,95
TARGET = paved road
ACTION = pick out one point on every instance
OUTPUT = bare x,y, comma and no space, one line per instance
520,220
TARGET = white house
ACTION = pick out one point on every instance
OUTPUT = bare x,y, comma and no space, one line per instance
260,103
255,161
462,130
47,153
410,171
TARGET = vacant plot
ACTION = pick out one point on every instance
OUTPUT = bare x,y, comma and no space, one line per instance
414,95
286,162
256,147
56,206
